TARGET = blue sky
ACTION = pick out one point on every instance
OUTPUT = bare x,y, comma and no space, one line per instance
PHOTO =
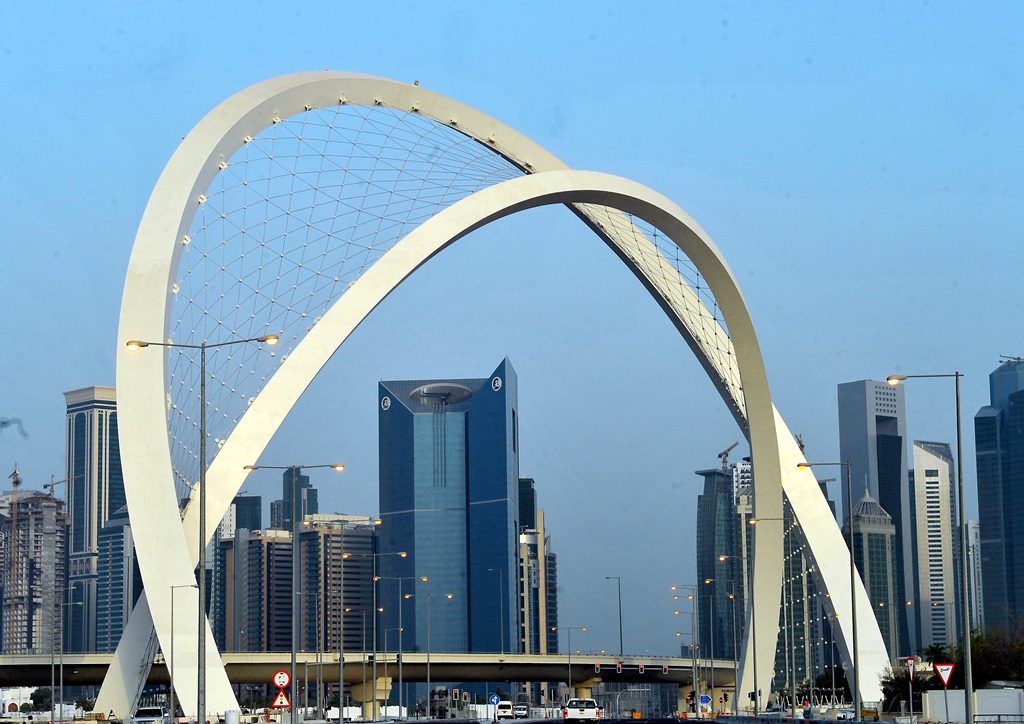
859,166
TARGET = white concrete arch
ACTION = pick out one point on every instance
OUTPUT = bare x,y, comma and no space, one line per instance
144,315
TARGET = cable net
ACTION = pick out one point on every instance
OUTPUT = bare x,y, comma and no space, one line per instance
301,211
290,222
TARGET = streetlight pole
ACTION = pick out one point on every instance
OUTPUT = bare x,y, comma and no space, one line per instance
134,345
568,643
400,628
618,583
848,464
694,638
711,581
64,606
965,589
170,667
298,514
501,606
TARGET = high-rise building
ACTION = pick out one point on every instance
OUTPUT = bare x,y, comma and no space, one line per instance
118,580
872,436
538,583
719,581
935,596
449,499
33,529
874,553
95,490
281,510
999,446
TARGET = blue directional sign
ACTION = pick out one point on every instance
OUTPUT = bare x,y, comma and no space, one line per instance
494,699
705,699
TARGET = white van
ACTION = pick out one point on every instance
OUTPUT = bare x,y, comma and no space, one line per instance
504,711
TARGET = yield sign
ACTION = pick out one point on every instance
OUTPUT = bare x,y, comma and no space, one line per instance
281,702
944,671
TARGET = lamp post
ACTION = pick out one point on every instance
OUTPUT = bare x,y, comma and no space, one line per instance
428,596
375,611
64,605
298,505
134,345
501,606
848,464
965,589
400,628
170,667
694,639
568,642
618,584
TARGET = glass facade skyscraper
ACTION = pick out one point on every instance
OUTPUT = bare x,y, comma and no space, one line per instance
95,490
999,445
449,492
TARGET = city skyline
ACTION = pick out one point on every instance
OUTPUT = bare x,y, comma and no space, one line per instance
895,148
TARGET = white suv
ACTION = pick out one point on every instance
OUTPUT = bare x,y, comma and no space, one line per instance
504,710
581,709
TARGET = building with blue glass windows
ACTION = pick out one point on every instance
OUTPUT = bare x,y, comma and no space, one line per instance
999,446
449,500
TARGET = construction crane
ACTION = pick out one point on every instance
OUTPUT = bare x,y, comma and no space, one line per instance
54,483
1010,359
724,456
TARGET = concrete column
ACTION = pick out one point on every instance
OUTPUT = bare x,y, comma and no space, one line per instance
364,695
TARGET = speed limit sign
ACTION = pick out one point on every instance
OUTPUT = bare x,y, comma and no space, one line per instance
281,679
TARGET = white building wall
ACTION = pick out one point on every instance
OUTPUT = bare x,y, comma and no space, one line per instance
934,506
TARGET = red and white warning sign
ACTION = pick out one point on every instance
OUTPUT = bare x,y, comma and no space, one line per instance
943,671
281,702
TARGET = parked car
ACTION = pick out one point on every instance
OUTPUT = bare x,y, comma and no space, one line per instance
581,709
504,711
521,711
151,715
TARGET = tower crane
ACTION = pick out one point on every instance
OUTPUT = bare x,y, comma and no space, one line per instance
724,456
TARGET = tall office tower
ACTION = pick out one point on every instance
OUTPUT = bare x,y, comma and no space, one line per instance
936,574
337,581
281,510
527,504
449,498
718,567
118,580
872,436
999,446
245,511
974,580
874,553
245,514
95,490
33,556
539,600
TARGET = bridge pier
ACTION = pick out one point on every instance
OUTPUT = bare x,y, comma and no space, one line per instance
585,689
365,696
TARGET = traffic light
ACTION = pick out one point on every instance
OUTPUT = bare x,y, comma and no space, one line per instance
689,697
618,668
725,695
664,668
597,668
455,694
641,667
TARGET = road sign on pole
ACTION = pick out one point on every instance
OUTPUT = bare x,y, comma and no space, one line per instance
943,671
281,679
281,702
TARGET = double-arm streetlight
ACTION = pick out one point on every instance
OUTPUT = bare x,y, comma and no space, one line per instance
848,464
375,611
965,589
134,345
568,642
618,584
448,596
694,635
298,504
400,629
